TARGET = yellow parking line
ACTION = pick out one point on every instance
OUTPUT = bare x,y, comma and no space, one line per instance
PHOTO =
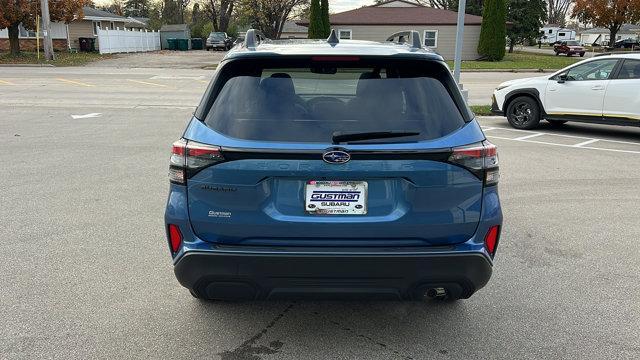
6,82
204,82
74,82
146,83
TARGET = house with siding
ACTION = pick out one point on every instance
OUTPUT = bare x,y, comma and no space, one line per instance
66,36
437,27
94,19
601,36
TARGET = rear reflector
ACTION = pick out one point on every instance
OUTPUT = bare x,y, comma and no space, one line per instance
175,238
491,240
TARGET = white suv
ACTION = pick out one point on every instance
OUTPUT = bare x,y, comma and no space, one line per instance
604,90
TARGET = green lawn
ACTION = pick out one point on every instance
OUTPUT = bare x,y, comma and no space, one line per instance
61,58
518,60
481,110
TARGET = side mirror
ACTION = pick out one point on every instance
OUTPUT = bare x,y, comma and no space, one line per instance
562,78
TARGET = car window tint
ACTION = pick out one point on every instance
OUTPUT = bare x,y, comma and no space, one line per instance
592,70
309,102
630,69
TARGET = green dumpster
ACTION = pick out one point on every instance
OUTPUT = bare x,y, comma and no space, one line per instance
172,44
183,44
197,44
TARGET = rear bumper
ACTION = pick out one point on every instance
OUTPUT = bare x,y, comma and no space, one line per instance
254,275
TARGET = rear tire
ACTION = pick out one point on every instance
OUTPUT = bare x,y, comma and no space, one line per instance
557,53
523,113
557,123
582,54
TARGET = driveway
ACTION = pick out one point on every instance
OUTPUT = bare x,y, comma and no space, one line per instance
86,271
194,59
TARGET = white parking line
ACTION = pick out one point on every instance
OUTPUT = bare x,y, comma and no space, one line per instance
529,136
586,143
569,146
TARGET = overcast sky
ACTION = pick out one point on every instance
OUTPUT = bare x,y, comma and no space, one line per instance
334,5
344,5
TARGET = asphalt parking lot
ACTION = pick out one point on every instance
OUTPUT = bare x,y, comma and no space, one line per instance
86,271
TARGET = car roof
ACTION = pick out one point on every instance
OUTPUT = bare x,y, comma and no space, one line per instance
622,55
301,47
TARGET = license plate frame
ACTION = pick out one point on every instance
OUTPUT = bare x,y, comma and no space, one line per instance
333,197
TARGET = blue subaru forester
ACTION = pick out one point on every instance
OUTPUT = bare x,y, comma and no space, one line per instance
337,168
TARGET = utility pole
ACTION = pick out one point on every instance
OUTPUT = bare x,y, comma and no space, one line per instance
46,31
457,60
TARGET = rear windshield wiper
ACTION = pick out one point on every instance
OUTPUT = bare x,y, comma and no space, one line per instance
340,138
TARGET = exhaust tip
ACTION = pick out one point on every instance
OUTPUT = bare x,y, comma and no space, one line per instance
435,293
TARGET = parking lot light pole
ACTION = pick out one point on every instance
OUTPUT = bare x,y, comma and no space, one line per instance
457,60
46,31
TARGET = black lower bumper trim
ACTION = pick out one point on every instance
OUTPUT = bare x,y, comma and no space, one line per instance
232,276
495,110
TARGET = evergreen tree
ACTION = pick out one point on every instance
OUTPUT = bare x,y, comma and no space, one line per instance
493,32
316,28
526,17
171,12
326,24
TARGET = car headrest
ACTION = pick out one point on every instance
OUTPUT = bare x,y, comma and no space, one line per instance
279,84
364,86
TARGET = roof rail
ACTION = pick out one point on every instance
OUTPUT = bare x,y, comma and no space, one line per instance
414,38
254,38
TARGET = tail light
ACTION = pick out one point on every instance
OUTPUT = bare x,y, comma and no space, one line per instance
188,157
481,159
175,238
491,239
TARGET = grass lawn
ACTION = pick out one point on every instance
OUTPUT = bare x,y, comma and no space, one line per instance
481,110
61,58
520,60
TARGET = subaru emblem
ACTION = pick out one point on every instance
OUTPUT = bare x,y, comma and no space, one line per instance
336,157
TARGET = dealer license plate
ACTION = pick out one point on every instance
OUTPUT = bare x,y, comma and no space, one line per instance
336,197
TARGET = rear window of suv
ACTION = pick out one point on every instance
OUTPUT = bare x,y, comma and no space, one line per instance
310,100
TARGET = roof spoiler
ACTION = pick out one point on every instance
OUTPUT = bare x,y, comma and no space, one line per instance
413,36
254,38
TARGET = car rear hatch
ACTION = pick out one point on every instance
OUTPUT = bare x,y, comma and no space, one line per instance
331,170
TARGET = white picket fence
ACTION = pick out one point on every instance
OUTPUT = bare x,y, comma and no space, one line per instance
126,40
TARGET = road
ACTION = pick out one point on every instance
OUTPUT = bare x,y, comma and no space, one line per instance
86,272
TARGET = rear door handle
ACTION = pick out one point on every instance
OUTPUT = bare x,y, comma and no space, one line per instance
597,87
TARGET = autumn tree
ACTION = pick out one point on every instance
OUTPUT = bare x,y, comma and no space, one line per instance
269,15
610,14
15,12
526,18
220,12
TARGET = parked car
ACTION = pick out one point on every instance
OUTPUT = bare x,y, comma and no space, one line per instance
307,172
571,47
628,43
600,90
219,40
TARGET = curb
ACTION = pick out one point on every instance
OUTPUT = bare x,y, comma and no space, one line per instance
27,65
